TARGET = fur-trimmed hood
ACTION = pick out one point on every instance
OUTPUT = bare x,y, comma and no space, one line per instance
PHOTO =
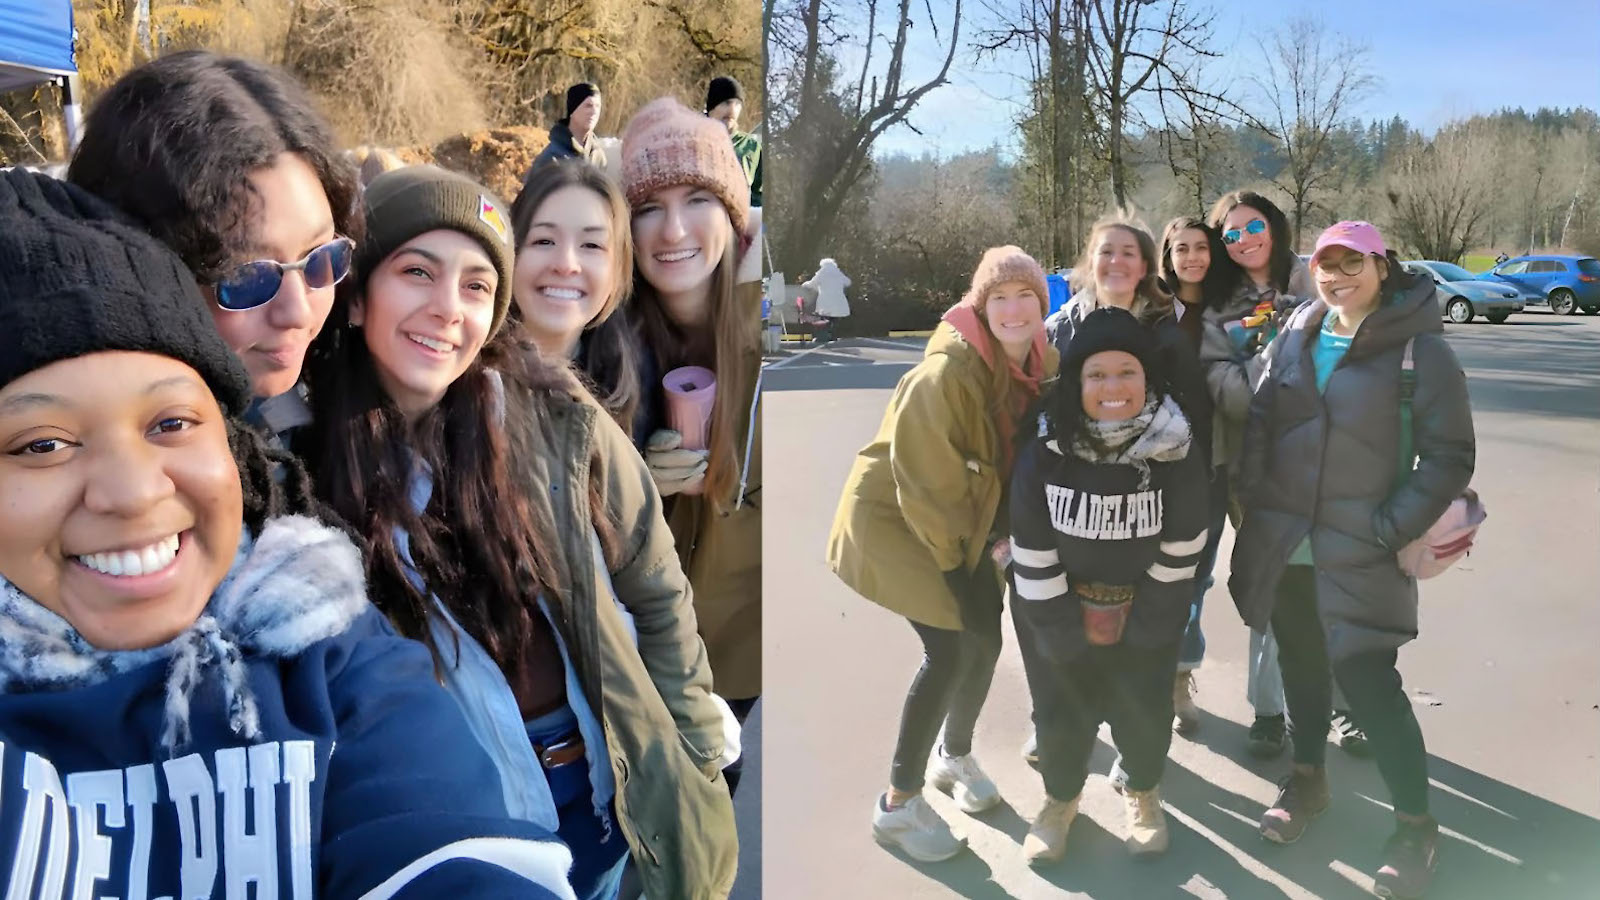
297,583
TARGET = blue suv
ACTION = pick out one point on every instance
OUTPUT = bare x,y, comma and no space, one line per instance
1564,283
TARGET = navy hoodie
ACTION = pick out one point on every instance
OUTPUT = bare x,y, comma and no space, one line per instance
287,740
1075,522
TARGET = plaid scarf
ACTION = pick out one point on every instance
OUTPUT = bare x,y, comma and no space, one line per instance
1160,432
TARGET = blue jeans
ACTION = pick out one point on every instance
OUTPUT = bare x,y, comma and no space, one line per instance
1193,647
598,855
1263,687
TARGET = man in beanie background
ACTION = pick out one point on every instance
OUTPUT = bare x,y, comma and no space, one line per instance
573,135
725,103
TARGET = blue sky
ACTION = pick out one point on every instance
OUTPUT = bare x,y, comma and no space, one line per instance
1435,61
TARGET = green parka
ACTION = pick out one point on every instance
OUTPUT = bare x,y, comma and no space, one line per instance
923,497
663,731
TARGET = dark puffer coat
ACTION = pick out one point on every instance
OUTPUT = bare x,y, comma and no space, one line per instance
1327,465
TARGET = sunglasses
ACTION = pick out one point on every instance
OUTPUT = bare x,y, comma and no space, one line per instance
1234,235
253,284
1349,264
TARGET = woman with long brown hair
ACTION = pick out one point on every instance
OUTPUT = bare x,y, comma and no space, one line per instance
921,529
574,273
691,209
1196,270
512,527
1119,268
1267,282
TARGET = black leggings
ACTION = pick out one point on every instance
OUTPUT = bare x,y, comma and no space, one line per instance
949,690
1371,685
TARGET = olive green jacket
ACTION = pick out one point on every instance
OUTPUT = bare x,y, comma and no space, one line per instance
722,553
663,731
924,496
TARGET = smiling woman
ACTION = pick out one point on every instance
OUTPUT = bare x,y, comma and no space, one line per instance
903,539
690,207
129,559
514,532
175,613
572,277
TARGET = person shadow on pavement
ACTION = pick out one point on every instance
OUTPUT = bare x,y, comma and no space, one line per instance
1497,840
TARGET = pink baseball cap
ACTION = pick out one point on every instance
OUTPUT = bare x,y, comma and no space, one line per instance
1362,237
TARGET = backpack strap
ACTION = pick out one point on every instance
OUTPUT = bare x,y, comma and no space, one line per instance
1408,390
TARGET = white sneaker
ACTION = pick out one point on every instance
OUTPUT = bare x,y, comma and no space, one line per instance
917,829
961,778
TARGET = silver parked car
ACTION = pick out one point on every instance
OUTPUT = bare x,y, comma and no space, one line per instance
1463,296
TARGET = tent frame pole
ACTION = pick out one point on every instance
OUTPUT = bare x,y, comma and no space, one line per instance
72,111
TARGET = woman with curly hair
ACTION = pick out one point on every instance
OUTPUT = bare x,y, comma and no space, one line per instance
227,161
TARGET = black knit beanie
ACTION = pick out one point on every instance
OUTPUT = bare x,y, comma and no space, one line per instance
414,200
579,93
76,278
1110,328
722,89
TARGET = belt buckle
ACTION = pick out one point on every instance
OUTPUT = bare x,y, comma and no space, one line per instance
561,753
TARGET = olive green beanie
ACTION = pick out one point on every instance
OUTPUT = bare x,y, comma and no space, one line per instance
406,202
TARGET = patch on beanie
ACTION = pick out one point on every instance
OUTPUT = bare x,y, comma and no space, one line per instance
489,214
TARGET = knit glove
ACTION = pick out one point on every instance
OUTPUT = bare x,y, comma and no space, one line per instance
674,468
977,596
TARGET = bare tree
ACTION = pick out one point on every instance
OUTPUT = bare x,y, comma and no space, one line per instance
1052,124
1312,80
837,159
1139,47
1193,140
1438,207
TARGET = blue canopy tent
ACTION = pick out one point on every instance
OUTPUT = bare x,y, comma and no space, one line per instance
36,38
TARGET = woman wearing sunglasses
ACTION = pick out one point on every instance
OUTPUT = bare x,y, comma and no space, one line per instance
513,528
1324,519
226,161
1263,279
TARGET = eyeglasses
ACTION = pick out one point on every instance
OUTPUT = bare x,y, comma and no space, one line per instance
1349,264
255,283
1234,236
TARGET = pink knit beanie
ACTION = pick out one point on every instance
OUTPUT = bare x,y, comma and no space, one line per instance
1002,264
667,144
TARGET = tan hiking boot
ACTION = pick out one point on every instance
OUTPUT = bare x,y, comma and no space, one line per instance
1147,823
1185,714
1047,839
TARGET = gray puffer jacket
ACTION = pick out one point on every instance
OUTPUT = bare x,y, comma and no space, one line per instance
1326,465
1230,372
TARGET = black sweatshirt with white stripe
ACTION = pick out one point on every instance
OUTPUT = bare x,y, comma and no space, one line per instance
1076,522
